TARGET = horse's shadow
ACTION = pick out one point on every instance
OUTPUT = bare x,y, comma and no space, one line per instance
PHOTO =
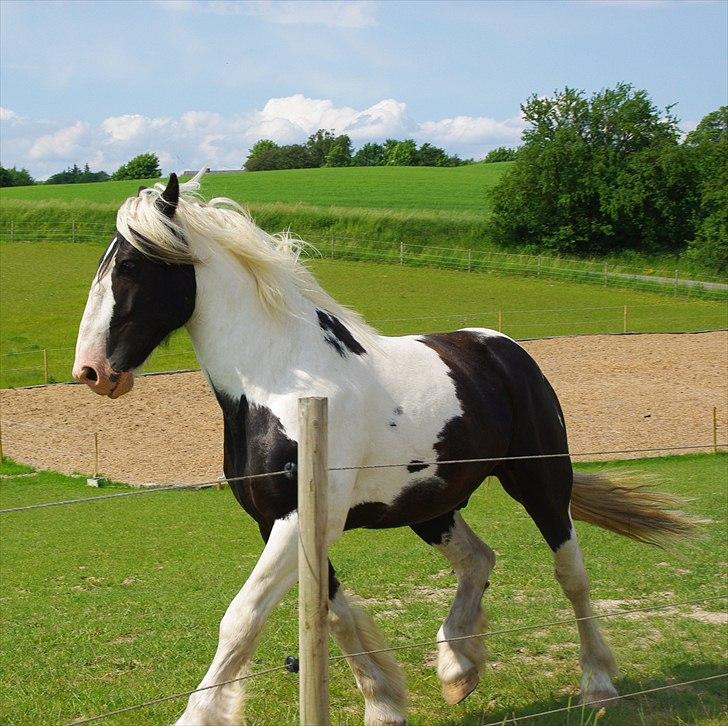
682,704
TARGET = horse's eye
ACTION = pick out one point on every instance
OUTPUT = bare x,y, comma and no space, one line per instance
126,266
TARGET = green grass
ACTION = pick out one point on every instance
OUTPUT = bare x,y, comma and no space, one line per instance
43,289
461,189
374,209
112,603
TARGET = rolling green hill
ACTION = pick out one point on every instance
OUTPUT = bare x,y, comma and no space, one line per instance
457,189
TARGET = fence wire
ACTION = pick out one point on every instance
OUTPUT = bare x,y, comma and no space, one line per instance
426,644
151,488
601,702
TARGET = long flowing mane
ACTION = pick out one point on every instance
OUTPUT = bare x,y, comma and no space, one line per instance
273,260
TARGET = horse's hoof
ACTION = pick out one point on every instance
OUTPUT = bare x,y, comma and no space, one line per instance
600,698
459,690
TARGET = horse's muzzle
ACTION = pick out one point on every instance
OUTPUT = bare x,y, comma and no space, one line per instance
99,377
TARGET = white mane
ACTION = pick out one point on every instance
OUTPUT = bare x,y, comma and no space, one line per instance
272,260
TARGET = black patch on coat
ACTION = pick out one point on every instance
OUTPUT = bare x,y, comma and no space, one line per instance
508,409
151,299
338,336
416,465
254,443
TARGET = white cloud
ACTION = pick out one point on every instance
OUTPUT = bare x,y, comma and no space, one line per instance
198,137
131,126
473,130
333,14
6,115
63,144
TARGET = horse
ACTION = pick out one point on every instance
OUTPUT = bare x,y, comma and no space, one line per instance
265,333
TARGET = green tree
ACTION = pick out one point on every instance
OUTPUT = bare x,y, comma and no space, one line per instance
400,153
74,175
260,151
340,152
429,155
143,166
708,144
502,153
319,145
12,177
595,175
370,154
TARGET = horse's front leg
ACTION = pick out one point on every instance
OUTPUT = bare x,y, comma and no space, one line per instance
273,575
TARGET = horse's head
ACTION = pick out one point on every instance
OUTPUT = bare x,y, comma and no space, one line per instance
136,300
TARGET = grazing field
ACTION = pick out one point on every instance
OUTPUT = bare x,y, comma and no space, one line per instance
461,189
111,603
43,289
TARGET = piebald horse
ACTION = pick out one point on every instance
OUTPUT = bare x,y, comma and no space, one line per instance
265,333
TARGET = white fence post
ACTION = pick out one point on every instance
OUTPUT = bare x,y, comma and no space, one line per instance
313,571
401,253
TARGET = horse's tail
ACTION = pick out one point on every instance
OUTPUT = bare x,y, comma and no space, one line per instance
625,504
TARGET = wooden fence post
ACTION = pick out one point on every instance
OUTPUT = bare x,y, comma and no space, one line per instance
313,571
12,231
401,253
605,274
470,260
2,457
73,231
624,327
45,365
715,429
96,454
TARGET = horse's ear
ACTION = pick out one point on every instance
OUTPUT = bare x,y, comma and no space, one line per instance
167,201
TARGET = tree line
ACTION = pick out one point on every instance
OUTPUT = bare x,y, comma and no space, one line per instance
325,148
143,166
611,172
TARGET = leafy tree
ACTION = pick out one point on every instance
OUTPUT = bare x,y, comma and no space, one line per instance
74,175
12,177
429,155
257,153
293,156
320,144
144,166
340,152
708,144
370,154
502,153
401,153
597,174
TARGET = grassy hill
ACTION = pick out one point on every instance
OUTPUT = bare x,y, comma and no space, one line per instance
458,189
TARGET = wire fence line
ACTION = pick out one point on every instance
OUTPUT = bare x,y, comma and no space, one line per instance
429,644
461,258
149,489
290,470
603,701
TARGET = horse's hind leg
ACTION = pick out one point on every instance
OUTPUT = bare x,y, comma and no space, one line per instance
544,489
459,662
378,676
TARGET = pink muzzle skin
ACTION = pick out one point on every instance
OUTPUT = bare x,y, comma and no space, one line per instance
101,379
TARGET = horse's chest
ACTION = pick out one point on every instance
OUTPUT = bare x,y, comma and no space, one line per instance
255,443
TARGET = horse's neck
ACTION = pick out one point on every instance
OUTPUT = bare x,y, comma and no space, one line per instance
241,348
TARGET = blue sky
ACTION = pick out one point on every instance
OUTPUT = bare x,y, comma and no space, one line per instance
199,82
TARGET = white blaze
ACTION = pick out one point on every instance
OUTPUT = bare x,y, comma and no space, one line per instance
94,328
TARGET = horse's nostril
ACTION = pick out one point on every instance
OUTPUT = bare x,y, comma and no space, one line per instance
89,374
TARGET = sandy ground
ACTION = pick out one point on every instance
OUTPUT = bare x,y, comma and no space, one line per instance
618,392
